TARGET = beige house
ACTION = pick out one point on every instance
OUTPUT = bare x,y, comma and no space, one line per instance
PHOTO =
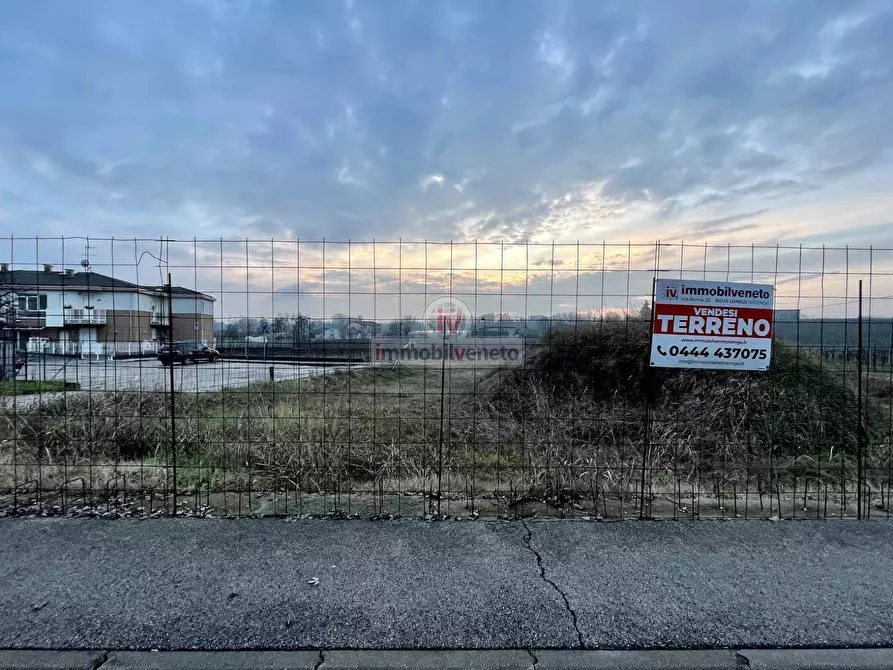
91,314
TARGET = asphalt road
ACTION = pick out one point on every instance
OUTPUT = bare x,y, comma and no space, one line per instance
149,375
243,584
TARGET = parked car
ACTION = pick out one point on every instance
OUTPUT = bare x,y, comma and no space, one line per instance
187,353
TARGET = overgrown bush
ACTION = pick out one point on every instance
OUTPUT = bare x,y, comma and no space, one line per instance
704,421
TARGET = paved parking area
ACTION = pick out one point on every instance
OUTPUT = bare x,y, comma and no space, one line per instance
150,375
252,584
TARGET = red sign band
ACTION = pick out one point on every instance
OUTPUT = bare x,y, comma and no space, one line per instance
710,321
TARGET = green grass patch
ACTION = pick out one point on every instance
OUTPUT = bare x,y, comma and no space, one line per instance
31,386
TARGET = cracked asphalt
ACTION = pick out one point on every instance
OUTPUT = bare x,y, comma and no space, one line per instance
528,540
243,584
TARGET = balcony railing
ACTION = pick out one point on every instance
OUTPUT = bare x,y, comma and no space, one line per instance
81,317
29,318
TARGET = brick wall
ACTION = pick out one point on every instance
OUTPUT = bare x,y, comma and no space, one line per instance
184,327
126,326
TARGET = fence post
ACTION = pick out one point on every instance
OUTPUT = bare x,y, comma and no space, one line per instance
440,435
649,392
860,432
170,316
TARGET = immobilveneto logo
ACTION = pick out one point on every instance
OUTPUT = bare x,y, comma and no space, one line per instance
470,351
447,316
448,324
724,292
674,291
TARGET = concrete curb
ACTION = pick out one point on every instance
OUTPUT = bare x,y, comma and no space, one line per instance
509,659
11,659
819,659
213,660
514,659
638,660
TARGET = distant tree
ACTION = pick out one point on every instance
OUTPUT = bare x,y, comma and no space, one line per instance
280,324
231,331
645,312
402,327
493,317
8,331
293,327
7,309
241,327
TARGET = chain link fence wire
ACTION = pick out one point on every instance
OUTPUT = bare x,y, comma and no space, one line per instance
308,378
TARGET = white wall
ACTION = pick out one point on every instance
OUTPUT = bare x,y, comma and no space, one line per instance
193,306
145,303
57,299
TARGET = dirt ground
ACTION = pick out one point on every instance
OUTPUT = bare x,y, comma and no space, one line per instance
415,504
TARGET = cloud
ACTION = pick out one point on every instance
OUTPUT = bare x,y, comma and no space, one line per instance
345,176
548,121
716,225
431,179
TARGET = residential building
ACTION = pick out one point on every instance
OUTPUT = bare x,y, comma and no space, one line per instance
329,333
496,329
359,329
88,313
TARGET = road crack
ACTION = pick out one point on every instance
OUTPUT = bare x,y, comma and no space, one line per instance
534,659
103,660
528,540
322,659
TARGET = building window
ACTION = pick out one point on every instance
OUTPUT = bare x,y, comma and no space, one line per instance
30,304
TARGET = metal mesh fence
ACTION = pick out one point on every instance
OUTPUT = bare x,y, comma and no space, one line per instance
147,377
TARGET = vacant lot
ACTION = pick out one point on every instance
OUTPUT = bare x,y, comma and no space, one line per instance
149,375
313,430
583,423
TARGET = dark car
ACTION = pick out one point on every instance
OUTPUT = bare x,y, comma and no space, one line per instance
187,353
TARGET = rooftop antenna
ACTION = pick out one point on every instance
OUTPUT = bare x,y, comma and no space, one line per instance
86,262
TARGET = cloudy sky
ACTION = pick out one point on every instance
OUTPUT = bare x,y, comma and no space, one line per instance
738,123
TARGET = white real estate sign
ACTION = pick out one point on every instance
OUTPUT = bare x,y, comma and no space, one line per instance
712,325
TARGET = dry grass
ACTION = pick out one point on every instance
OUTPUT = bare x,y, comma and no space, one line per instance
590,387
571,423
354,430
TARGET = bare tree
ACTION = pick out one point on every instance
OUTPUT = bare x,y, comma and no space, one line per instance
403,327
294,327
8,332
